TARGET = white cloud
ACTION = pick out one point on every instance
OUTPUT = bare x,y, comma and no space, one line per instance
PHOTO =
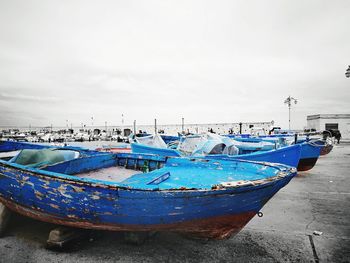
207,61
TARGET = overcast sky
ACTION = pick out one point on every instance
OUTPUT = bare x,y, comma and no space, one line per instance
206,61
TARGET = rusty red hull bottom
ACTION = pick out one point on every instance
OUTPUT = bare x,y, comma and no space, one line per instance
219,227
306,164
326,149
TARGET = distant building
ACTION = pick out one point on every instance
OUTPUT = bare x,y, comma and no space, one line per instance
322,122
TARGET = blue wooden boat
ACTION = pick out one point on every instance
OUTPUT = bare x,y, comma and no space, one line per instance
309,155
208,198
169,138
310,150
8,146
289,155
12,146
326,146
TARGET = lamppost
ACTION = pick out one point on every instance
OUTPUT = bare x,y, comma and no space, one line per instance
183,126
347,73
289,101
122,129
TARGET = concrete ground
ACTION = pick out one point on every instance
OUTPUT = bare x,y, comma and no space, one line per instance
318,200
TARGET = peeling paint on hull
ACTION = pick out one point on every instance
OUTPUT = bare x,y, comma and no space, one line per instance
219,227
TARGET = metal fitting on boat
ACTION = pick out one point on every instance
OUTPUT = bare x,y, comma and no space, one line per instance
282,174
260,214
293,170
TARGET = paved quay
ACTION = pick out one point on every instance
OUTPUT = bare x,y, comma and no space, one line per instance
318,200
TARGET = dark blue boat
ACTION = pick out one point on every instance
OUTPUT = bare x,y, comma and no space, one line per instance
310,150
208,198
309,155
289,155
169,138
9,146
142,148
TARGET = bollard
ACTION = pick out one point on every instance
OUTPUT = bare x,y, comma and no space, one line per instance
5,214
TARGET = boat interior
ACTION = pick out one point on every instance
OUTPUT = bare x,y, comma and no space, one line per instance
145,171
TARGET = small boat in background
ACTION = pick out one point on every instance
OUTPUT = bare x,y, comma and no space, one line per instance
310,148
309,156
169,138
326,149
207,198
325,145
289,155
9,146
221,148
9,149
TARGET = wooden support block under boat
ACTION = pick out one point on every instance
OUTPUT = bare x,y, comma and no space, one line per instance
61,236
5,214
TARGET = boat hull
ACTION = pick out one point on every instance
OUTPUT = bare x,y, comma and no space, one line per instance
309,156
219,227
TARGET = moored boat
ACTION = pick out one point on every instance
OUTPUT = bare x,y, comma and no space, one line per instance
8,146
221,148
326,149
326,146
289,155
209,198
309,156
